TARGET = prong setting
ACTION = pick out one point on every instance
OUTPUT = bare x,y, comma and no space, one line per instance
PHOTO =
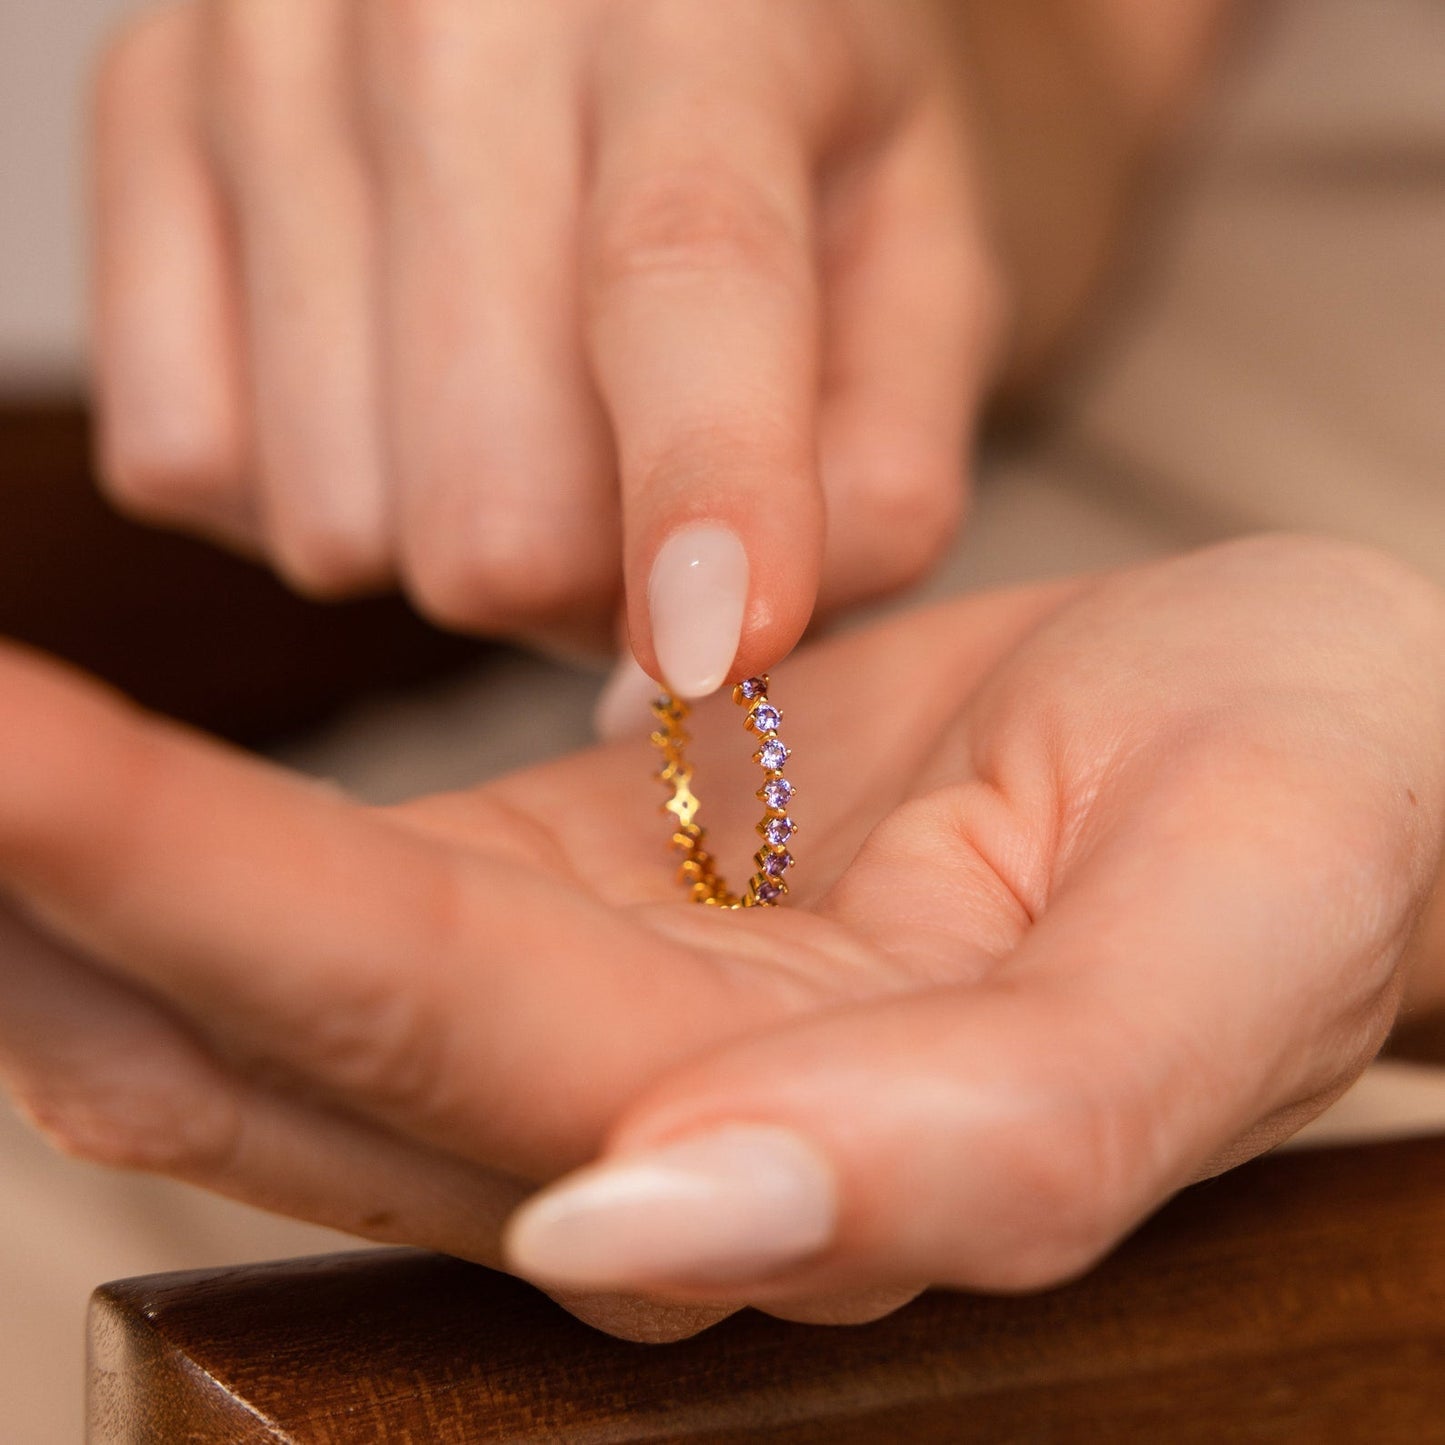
698,871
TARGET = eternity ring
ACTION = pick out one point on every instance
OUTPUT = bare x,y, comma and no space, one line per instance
698,873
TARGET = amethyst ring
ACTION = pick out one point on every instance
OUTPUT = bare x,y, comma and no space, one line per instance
698,871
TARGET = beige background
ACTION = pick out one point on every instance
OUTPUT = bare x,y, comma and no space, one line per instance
1277,359
46,49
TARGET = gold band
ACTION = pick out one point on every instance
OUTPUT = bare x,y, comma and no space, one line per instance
698,872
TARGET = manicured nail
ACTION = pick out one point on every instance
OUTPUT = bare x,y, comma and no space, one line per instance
738,1203
624,706
696,596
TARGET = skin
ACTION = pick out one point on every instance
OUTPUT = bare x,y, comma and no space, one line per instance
489,299
1103,886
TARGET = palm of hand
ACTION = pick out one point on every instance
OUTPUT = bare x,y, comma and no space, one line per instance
1048,836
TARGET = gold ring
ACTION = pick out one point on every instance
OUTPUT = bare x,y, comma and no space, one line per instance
698,872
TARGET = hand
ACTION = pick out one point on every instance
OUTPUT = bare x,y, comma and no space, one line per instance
509,300
1102,887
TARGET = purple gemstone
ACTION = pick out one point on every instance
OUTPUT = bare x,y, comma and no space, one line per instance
778,830
776,864
772,755
768,892
765,717
753,687
777,792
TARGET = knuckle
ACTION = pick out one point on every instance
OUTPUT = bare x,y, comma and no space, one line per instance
385,1035
912,511
326,560
694,220
261,79
771,454
926,509
244,52
379,1042
125,64
417,83
1072,1194
129,1125
497,576
409,44
166,477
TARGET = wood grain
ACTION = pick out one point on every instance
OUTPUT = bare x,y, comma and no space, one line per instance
1300,1298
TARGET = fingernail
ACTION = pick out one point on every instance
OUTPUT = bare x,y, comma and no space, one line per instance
624,706
696,596
735,1204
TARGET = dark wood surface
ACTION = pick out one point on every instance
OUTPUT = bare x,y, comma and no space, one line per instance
181,626
1300,1298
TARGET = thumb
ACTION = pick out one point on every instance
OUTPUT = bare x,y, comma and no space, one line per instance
1153,1027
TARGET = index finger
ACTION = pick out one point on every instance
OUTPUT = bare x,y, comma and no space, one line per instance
703,320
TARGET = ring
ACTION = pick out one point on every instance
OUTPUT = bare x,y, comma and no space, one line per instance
698,873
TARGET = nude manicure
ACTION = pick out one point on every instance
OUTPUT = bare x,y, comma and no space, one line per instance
738,1203
696,596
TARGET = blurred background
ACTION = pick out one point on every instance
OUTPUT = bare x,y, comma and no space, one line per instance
1271,354
46,52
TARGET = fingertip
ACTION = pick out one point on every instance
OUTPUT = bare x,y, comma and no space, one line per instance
735,1203
623,708
160,462
963,1143
68,740
171,442
476,560
697,597
325,538
728,594
898,494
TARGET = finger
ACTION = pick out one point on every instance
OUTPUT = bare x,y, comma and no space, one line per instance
107,1075
1004,1135
624,706
278,104
483,1002
912,327
168,358
702,320
507,501
373,956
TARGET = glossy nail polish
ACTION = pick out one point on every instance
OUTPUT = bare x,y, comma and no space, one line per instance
737,1203
696,597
